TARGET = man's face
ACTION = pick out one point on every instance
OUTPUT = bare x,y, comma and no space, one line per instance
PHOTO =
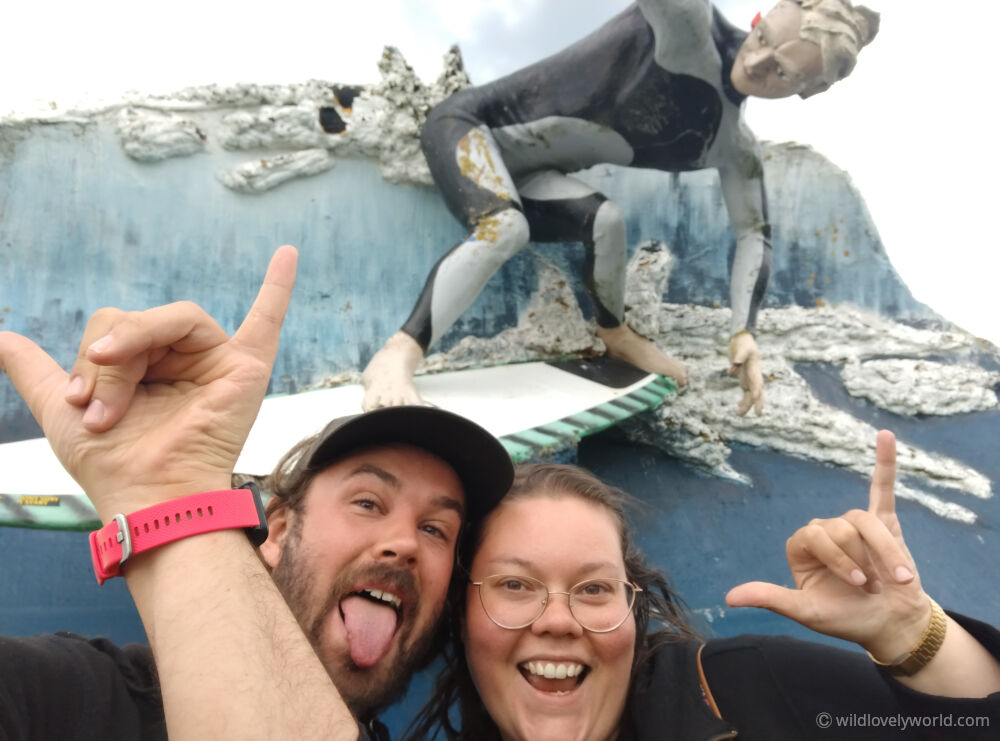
365,566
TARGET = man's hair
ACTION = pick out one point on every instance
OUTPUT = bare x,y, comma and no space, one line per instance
291,477
656,605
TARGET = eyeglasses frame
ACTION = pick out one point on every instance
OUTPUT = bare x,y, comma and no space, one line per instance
636,589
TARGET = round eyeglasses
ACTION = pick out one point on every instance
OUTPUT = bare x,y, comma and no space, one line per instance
513,602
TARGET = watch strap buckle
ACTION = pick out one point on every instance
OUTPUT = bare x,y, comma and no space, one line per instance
103,546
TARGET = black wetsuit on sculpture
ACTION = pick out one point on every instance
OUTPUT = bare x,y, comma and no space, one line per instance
648,89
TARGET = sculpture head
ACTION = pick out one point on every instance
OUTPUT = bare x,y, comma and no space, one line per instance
801,47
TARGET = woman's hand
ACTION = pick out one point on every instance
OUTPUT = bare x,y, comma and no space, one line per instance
854,577
159,402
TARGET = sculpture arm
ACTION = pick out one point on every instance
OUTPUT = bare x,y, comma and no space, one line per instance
746,202
743,192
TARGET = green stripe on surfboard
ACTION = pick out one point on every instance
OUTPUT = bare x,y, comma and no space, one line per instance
564,434
74,511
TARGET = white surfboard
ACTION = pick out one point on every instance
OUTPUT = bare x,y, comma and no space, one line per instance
538,410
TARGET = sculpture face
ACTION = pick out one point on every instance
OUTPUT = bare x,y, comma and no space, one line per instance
774,62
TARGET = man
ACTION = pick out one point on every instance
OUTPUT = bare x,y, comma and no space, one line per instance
363,531
364,526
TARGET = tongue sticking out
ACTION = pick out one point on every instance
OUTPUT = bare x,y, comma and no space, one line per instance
370,628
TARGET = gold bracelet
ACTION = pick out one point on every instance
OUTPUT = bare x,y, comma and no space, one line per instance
923,650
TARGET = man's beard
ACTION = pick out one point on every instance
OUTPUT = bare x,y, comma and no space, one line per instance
366,690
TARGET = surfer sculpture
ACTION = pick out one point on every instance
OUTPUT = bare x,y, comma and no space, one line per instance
659,86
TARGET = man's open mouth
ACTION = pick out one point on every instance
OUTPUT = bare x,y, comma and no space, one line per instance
372,618
557,678
377,595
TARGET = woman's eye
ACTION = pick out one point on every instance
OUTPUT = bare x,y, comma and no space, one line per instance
368,504
513,585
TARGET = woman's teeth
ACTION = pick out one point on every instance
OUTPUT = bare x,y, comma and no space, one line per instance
553,671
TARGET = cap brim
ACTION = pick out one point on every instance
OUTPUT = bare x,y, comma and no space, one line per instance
483,465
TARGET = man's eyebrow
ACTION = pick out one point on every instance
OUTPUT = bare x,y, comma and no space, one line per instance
443,501
373,470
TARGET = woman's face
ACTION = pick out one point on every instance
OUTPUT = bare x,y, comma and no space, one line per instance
774,62
561,540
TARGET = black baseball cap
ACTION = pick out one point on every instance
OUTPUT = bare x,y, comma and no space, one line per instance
483,465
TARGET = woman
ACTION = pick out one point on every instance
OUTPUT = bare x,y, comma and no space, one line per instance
659,86
566,634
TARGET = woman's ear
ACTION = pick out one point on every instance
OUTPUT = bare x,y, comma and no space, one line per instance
278,525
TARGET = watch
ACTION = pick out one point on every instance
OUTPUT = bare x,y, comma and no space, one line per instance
923,650
126,535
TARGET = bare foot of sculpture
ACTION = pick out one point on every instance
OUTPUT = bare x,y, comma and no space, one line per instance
626,345
388,378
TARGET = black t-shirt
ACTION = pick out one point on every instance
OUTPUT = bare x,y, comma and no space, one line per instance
64,687
771,688
71,688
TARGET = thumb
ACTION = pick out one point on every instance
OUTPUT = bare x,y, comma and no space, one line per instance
36,376
781,600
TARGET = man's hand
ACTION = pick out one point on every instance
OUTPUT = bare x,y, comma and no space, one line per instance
158,405
854,577
159,402
744,359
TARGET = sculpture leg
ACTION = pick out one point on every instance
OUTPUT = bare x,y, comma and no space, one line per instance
560,208
468,168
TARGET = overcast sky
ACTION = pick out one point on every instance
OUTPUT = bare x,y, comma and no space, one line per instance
910,125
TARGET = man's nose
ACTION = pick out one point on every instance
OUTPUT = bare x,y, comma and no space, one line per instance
398,542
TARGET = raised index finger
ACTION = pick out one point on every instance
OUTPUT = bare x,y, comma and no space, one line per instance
262,327
882,500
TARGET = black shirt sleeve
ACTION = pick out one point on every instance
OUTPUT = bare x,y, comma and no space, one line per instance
776,687
69,688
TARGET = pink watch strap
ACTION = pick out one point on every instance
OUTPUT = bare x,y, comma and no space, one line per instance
163,523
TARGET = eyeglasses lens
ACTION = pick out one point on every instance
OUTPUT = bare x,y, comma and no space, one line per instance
599,605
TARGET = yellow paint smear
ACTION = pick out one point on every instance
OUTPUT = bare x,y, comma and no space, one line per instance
475,161
488,229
